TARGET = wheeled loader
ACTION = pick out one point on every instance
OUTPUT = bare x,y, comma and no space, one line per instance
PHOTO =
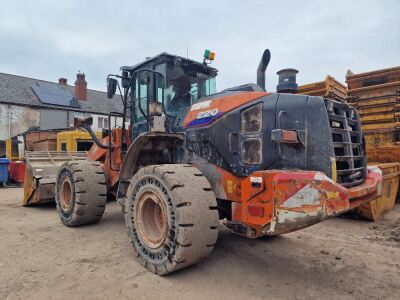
264,163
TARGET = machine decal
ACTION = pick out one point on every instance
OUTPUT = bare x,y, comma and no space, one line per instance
203,120
200,105
256,179
229,186
306,196
204,113
208,113
332,195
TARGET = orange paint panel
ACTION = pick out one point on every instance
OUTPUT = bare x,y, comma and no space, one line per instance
96,153
291,200
105,156
257,191
231,184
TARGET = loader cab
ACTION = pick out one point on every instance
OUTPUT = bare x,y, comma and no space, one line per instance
174,85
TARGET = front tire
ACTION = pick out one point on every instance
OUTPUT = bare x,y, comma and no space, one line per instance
81,193
172,217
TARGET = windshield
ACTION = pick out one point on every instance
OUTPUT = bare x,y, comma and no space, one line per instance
185,87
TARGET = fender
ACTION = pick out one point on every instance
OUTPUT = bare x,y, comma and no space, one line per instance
145,141
149,142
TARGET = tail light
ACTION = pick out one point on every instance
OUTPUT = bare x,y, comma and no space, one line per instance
251,126
256,211
252,120
252,151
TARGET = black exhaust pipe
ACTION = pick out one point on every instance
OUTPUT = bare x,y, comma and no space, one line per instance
262,66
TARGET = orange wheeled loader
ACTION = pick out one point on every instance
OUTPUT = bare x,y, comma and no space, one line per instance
264,163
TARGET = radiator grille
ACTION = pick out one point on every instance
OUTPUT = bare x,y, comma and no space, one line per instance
348,143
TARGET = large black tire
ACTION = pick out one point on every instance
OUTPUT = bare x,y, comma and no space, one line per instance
172,217
81,193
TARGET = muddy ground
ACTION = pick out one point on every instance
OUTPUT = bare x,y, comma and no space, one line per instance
339,258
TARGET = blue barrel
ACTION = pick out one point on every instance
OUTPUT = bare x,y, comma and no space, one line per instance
4,162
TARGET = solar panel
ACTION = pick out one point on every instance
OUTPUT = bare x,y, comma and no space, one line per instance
52,94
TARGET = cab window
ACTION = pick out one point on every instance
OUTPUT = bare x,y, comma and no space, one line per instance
141,95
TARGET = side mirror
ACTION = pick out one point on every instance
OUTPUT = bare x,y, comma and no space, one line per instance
111,87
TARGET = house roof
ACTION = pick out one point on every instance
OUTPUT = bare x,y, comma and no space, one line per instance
18,90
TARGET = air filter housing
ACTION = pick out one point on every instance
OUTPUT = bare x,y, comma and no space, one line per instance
287,81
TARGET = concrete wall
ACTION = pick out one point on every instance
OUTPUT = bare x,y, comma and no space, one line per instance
15,120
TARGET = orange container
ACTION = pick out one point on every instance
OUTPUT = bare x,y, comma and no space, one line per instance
376,209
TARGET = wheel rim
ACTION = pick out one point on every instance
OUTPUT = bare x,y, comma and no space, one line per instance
66,194
151,219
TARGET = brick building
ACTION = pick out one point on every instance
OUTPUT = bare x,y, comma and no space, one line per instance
28,103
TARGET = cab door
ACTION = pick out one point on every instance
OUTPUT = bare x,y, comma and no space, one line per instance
147,87
139,106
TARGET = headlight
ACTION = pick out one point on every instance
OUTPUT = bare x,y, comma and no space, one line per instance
252,120
252,151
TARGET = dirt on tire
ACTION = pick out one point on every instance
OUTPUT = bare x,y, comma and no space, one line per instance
88,192
192,216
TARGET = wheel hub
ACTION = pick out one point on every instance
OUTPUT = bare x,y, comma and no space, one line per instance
66,194
151,219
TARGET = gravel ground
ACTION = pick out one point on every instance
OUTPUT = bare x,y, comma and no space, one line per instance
339,258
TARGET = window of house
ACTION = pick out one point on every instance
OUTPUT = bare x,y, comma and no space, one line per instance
102,123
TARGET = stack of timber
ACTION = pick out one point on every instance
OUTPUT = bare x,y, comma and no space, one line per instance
329,88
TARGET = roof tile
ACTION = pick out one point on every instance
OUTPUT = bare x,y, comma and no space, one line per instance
18,90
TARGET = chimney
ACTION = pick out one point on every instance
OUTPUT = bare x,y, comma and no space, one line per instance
80,86
62,81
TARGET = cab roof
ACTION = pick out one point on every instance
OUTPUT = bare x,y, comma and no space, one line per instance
174,59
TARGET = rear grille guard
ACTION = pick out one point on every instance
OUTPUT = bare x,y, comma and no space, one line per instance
349,148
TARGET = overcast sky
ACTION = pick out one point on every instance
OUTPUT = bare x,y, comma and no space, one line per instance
52,39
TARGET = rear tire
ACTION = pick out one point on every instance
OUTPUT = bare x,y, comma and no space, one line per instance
172,217
81,193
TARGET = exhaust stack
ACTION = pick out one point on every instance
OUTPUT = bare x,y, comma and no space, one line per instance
287,81
262,66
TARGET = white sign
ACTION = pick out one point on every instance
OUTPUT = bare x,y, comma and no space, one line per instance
256,179
201,105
